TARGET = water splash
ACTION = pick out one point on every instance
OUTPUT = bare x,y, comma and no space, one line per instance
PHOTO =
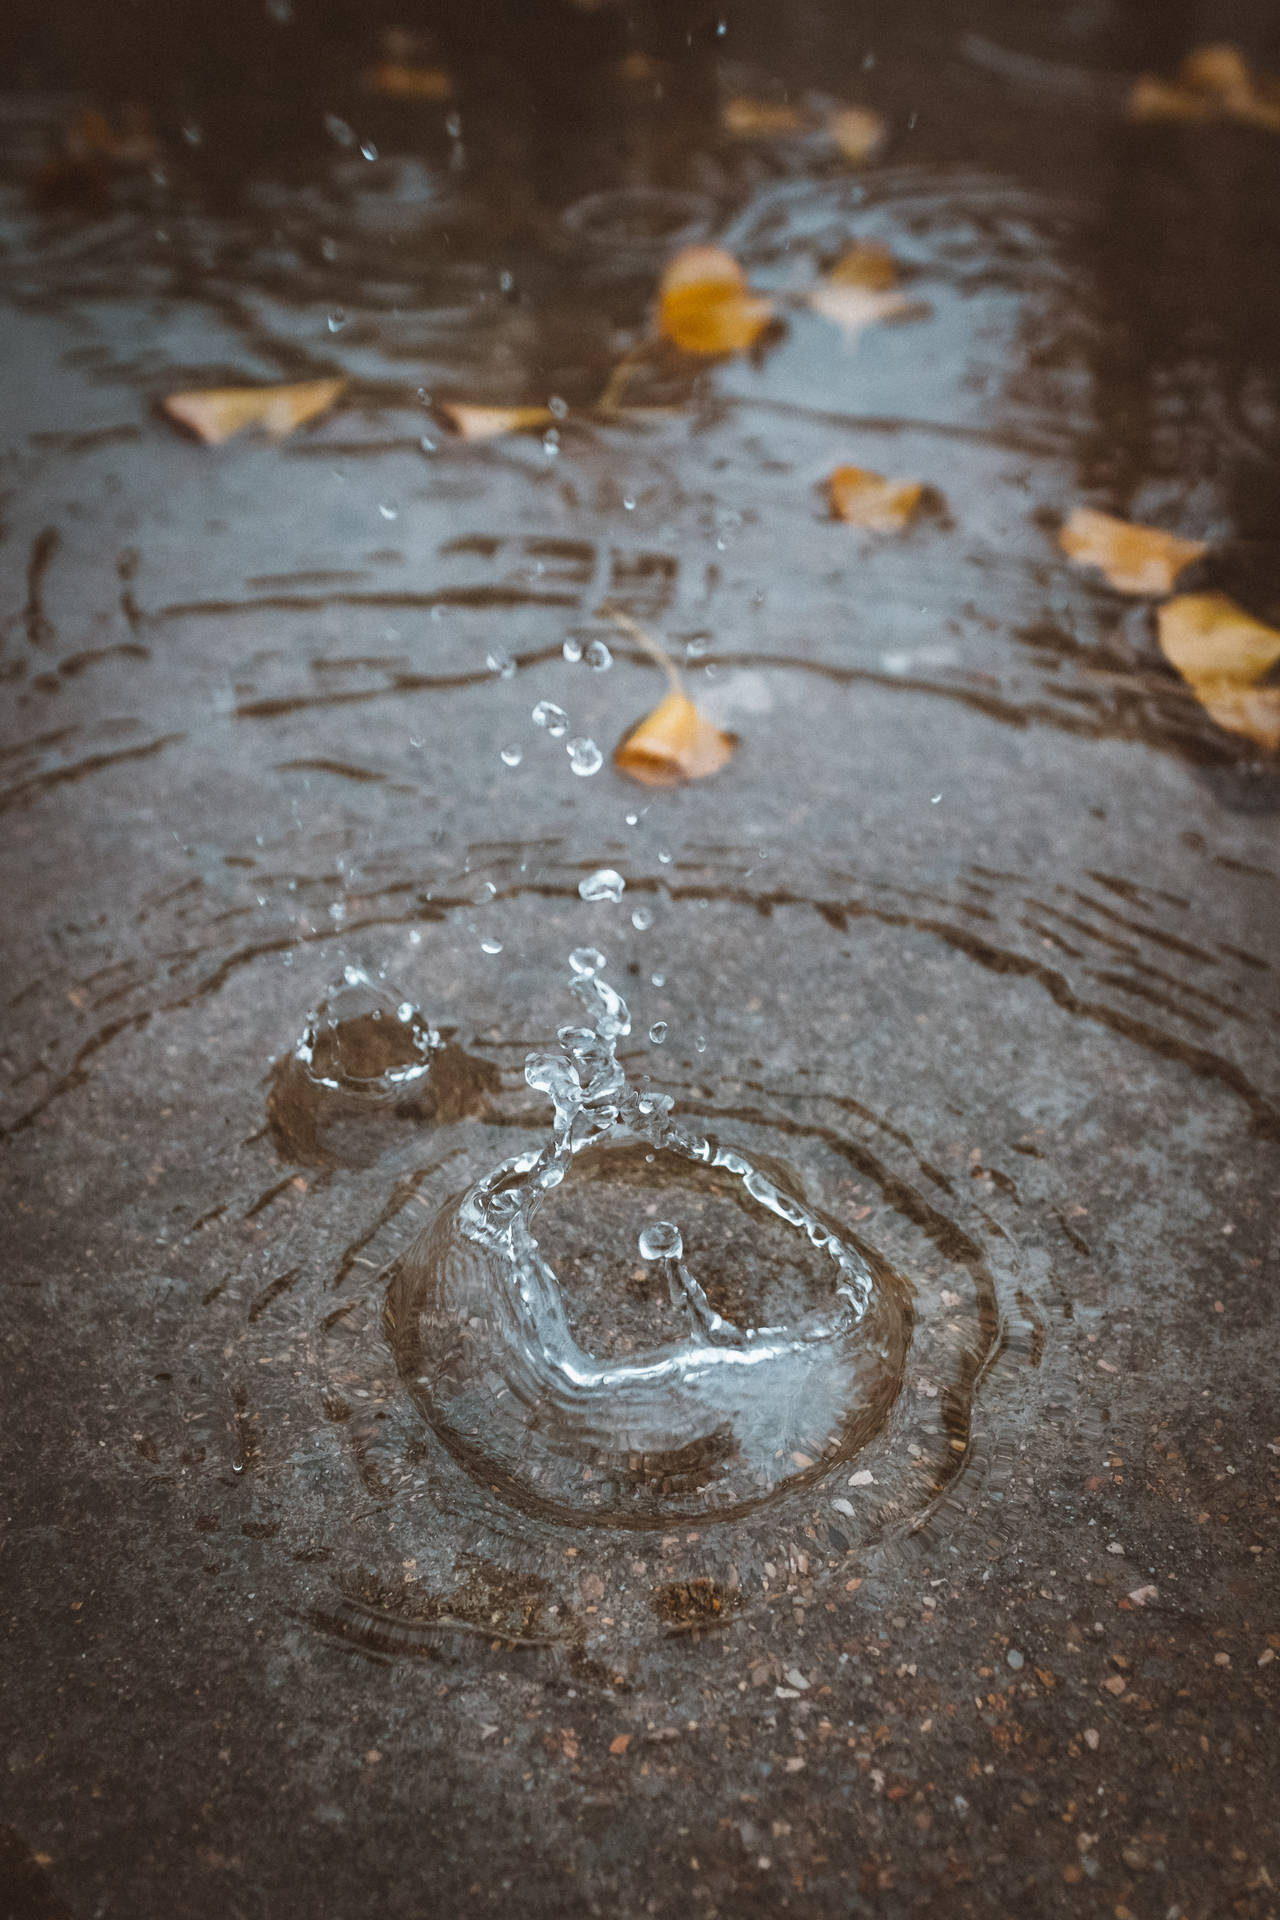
705,1425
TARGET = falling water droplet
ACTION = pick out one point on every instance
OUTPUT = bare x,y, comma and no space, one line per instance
629,502
661,1241
934,798
427,444
632,819
572,650
695,648
369,151
658,1032
490,946
556,721
559,407
337,129
511,756
587,961
424,396
657,979
664,856
387,511
699,1042
598,657
604,884
499,661
642,919
585,757
551,442
337,320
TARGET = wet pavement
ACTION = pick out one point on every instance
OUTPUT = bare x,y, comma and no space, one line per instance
971,947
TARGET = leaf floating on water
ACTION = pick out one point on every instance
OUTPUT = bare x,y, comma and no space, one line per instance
706,306
214,414
866,499
675,742
1213,83
760,119
1133,559
1225,655
399,81
487,423
858,132
672,744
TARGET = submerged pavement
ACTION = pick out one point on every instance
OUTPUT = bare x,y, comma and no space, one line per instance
974,938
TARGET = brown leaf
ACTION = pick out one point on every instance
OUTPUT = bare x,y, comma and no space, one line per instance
865,265
486,423
867,499
758,119
858,132
1134,559
1224,654
214,414
705,304
1213,83
399,81
674,743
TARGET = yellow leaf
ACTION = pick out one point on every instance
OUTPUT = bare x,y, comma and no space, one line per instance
858,132
673,743
486,423
865,265
1213,83
758,119
1223,654
214,414
401,82
705,304
1134,559
867,499
852,308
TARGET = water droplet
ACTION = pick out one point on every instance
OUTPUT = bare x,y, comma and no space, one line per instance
551,442
387,511
632,819
491,946
559,407
453,127
572,650
556,721
658,1032
661,1241
606,883
337,129
499,661
511,756
699,1042
695,648
192,134
642,919
598,657
629,502
506,281
934,798
337,320
585,757
368,149
664,856
427,444
657,979
424,396
586,961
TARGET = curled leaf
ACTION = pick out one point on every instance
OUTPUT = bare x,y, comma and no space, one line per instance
672,744
759,119
705,304
675,742
858,132
487,423
1213,83
865,265
1134,559
399,81
866,499
214,414
1225,655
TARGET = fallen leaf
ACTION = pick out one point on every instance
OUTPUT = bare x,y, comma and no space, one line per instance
851,308
705,304
486,423
865,264
399,81
1213,83
867,499
675,742
1224,655
758,119
1134,559
214,414
858,132
620,1743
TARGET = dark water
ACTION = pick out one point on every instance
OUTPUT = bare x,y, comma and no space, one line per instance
971,948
